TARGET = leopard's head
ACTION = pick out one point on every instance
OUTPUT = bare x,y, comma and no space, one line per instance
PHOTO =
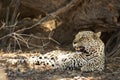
88,42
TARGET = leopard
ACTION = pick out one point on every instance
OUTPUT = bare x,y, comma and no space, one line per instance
89,54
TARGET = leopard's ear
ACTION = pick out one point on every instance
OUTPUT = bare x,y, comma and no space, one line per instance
98,34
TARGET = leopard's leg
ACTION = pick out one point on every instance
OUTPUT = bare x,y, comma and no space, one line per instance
94,64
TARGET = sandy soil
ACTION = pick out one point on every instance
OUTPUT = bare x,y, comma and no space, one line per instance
25,72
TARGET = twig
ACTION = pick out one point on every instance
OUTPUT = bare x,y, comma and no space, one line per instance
9,46
33,36
50,38
21,39
7,15
35,45
5,36
17,42
3,25
15,12
8,12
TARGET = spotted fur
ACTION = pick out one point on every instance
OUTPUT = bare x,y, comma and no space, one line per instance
90,57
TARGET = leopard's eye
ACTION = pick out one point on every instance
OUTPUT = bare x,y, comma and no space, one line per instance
74,42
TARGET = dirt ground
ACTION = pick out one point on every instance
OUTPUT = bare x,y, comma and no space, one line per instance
25,72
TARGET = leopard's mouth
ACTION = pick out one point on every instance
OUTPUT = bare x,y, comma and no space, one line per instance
80,49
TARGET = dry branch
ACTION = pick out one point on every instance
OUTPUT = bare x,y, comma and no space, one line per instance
66,8
55,14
